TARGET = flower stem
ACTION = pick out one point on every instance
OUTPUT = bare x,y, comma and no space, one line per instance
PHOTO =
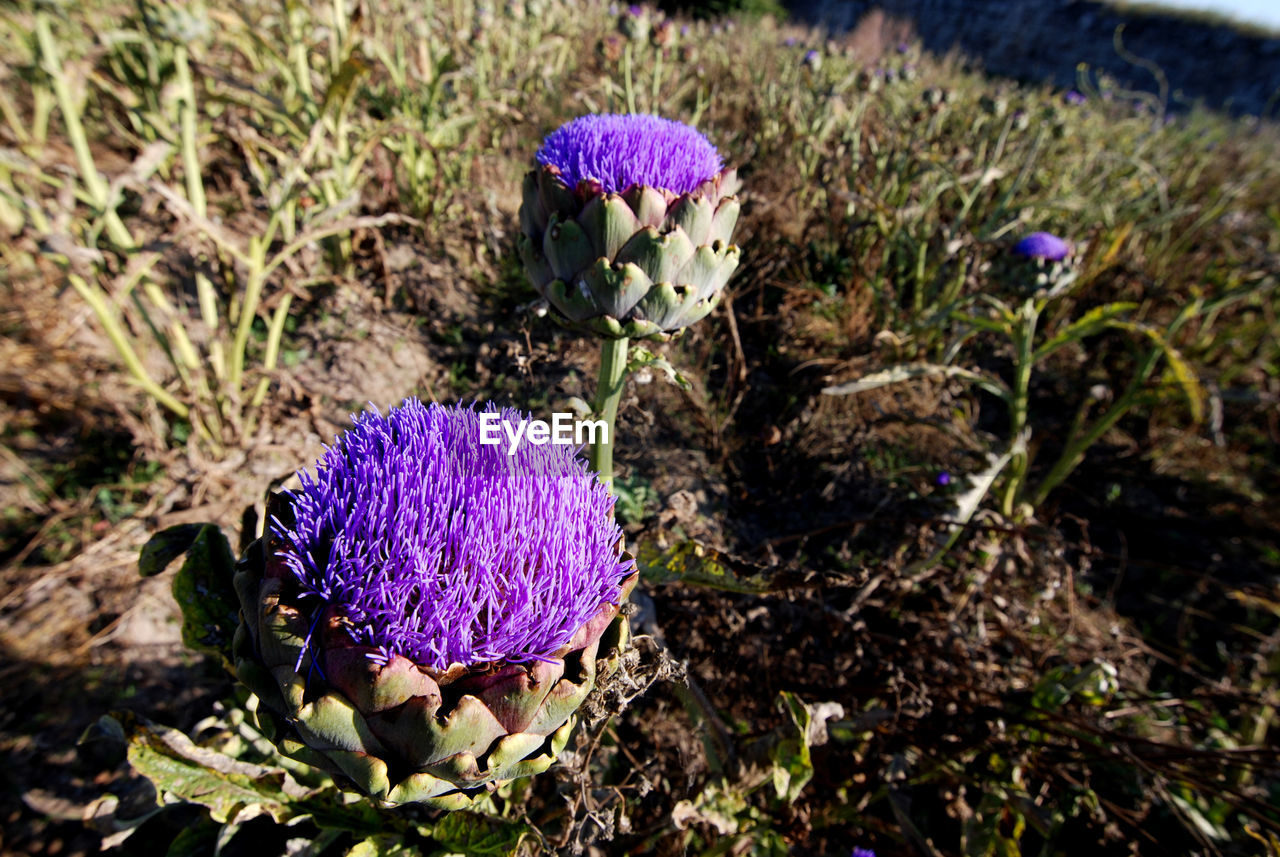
613,372
1024,345
94,183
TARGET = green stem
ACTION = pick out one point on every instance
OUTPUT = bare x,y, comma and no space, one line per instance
195,185
115,332
626,74
257,275
657,81
93,180
613,372
1023,361
1074,453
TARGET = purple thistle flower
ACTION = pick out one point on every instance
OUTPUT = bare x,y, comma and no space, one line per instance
635,10
863,852
622,150
1043,245
448,551
1073,97
812,59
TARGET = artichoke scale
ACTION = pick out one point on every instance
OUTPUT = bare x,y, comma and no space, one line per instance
691,215
613,290
659,256
567,248
609,222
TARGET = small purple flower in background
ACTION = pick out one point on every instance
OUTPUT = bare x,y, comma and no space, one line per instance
863,852
684,29
903,47
635,23
612,46
663,34
943,479
1074,98
812,60
621,150
790,41
445,550
1043,245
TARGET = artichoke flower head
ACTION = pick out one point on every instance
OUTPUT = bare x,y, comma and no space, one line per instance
627,224
427,613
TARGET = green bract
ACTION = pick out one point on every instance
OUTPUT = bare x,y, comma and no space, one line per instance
642,263
395,730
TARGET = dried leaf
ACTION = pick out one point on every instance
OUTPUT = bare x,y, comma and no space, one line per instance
223,785
908,371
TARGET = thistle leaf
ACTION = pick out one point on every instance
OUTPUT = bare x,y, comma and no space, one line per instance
1183,374
203,587
223,785
691,563
166,546
476,834
792,762
383,846
908,371
1094,321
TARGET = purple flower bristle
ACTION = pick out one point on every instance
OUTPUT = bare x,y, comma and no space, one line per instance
448,551
622,150
1043,245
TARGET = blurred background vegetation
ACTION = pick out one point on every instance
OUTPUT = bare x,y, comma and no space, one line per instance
964,554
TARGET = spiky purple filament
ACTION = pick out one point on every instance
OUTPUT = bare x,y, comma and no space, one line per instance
445,550
621,150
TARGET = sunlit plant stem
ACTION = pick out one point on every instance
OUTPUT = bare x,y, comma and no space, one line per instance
1024,333
187,110
94,183
613,375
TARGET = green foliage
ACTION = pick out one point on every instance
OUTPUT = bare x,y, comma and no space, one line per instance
470,833
636,499
196,186
1019,325
694,564
780,763
792,764
227,788
235,791
202,587
716,8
